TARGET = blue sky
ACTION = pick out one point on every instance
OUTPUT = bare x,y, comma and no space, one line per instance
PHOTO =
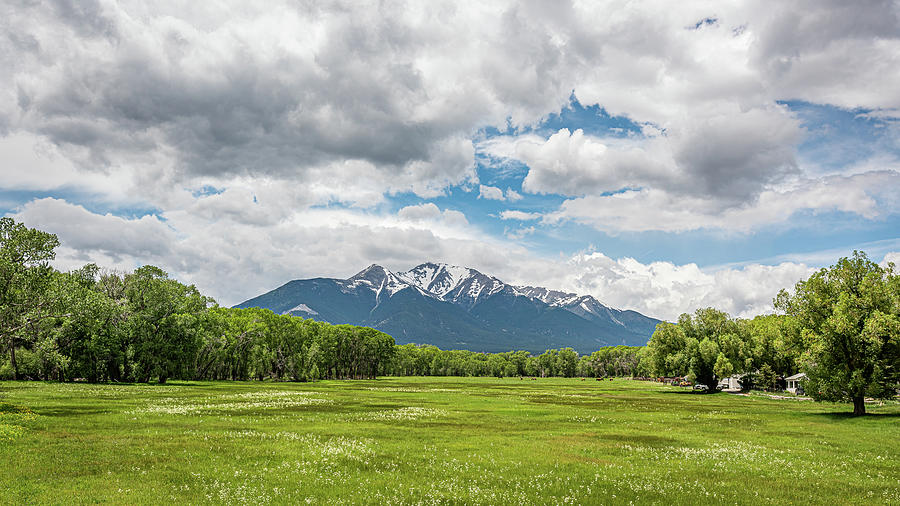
662,161
836,139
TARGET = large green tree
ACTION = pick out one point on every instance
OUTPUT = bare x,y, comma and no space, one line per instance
164,320
77,342
25,273
667,353
706,347
849,317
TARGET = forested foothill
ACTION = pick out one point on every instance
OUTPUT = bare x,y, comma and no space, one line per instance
841,327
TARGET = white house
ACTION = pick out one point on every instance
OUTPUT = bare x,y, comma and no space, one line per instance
793,383
731,382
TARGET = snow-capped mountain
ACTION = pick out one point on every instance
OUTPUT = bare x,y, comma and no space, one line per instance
460,285
459,307
380,280
466,286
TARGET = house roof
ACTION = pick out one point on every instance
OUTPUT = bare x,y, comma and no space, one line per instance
797,376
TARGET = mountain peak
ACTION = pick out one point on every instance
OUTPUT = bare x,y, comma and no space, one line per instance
438,279
374,274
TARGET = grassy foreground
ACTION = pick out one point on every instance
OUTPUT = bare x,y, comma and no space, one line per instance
436,440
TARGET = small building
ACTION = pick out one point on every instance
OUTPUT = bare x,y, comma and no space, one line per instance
731,383
793,383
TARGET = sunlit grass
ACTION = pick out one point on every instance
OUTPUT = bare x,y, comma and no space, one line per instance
437,441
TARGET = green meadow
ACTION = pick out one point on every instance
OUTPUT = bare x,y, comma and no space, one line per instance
417,440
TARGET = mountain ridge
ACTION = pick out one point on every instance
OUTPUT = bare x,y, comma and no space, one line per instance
459,307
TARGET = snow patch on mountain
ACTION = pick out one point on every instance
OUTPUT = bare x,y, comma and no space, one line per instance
437,279
585,306
302,308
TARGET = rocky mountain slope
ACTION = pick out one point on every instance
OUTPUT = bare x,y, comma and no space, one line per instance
460,308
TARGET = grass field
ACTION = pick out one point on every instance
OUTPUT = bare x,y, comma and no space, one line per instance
437,440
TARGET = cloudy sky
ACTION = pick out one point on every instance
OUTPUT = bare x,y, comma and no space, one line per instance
660,156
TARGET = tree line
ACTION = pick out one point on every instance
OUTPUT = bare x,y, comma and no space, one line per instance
428,360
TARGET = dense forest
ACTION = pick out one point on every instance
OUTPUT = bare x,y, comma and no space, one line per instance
142,325
841,327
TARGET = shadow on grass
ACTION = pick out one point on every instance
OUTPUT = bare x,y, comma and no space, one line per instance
71,411
690,392
176,383
124,384
848,415
646,439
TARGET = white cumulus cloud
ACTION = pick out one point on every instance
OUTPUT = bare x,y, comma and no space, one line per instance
490,193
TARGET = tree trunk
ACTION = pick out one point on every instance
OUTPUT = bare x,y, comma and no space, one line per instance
126,365
859,406
12,360
205,369
112,370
